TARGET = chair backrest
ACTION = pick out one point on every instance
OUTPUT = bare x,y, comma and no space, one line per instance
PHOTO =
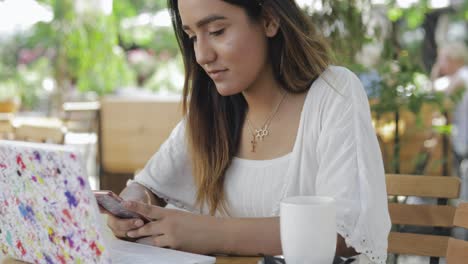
421,215
42,134
81,117
133,129
457,252
6,127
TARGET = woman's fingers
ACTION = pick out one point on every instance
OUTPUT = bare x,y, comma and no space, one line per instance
151,229
120,227
150,211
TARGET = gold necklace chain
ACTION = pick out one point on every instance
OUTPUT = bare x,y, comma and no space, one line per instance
262,132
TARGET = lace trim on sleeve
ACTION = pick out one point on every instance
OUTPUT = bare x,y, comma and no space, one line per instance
361,245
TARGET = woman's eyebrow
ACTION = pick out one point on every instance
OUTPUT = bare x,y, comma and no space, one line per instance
205,21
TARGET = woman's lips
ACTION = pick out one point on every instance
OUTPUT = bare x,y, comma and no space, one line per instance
217,74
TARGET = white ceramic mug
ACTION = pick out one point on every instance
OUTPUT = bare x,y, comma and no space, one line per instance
308,229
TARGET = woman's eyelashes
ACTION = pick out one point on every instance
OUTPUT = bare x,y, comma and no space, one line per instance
211,33
217,32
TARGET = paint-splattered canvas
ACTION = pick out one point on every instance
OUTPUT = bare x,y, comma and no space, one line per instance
47,209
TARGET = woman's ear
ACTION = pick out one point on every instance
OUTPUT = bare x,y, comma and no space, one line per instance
271,23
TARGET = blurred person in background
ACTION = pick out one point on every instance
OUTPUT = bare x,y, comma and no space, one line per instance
450,74
452,66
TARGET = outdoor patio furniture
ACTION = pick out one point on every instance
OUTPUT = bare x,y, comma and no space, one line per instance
131,131
427,215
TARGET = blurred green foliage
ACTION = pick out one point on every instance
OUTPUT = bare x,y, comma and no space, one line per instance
87,51
90,51
342,24
391,52
143,36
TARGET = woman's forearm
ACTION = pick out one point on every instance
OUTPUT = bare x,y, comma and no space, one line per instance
138,192
255,236
250,236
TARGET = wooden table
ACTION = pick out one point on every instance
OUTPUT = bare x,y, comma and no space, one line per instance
237,260
219,260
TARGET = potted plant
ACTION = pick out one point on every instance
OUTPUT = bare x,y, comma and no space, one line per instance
9,98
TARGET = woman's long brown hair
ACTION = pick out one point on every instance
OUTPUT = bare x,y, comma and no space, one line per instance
298,56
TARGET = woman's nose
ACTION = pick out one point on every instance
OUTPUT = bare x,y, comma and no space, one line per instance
204,52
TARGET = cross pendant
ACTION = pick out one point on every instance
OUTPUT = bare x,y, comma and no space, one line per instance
254,144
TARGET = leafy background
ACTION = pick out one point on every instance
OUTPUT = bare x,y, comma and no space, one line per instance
81,56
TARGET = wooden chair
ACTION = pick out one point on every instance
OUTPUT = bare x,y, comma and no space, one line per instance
43,134
440,216
131,131
6,127
457,252
81,117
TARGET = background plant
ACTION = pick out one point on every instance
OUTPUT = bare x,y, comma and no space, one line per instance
391,48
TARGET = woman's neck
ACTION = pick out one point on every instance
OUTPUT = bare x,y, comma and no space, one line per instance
263,97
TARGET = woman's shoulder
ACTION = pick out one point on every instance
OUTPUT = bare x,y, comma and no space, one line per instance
339,79
337,83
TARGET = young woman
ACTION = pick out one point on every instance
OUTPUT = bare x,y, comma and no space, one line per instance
266,117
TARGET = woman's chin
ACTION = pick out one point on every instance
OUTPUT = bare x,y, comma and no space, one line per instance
227,91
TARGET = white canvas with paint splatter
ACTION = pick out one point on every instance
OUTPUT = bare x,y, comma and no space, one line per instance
47,210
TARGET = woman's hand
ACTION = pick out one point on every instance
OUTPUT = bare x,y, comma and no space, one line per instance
133,192
177,229
120,227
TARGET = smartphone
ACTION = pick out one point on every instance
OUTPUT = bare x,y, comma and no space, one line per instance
113,204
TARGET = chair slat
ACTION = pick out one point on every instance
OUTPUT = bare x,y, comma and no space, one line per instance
423,186
457,252
416,244
461,216
422,215
133,129
33,133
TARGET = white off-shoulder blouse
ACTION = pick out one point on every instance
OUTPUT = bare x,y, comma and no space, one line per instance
336,154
